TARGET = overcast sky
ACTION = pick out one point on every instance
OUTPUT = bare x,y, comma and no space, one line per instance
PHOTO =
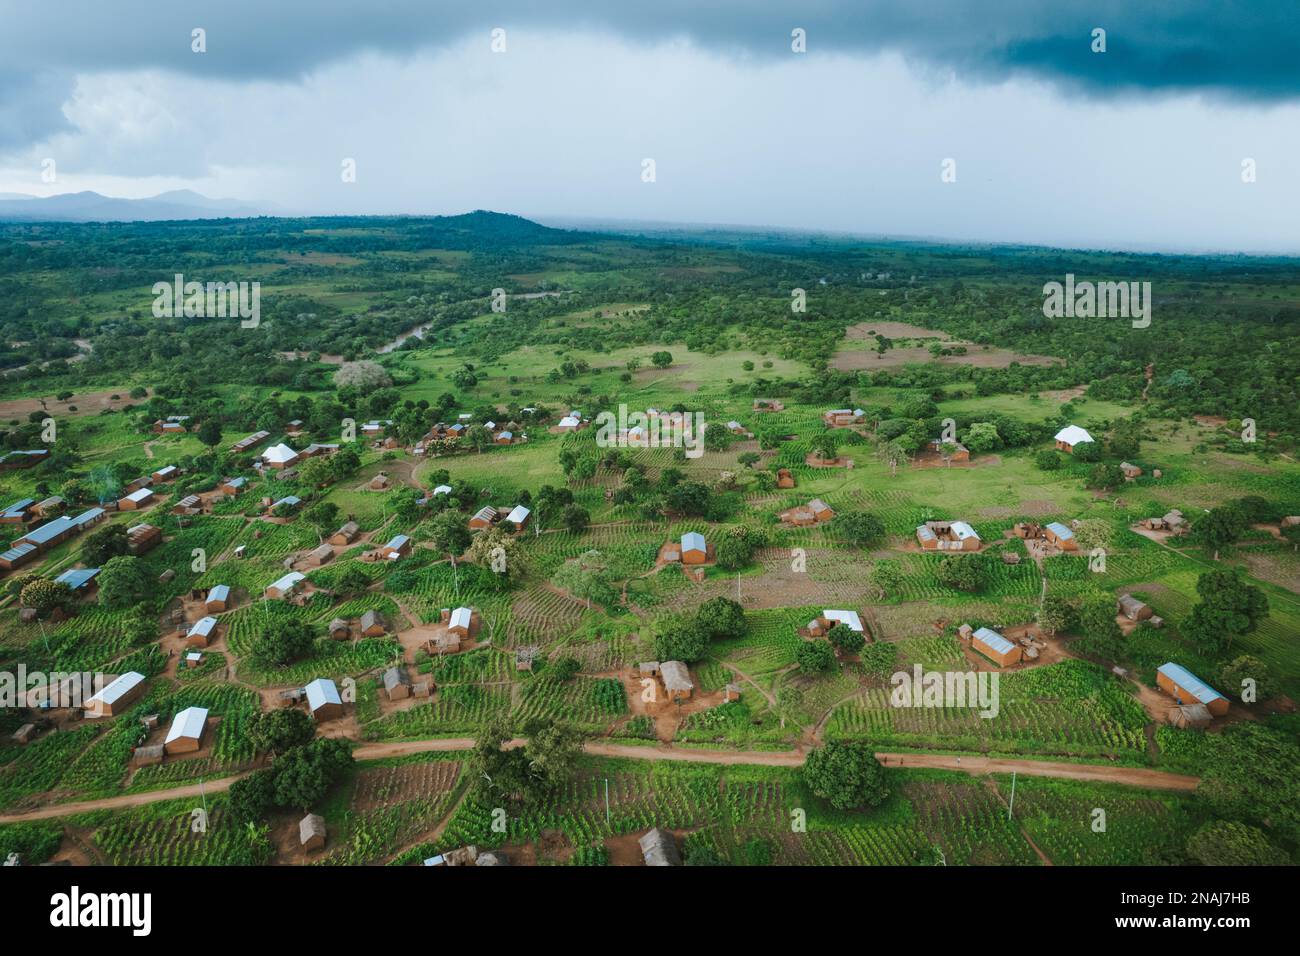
1141,146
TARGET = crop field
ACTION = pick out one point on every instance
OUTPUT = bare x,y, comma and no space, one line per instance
559,634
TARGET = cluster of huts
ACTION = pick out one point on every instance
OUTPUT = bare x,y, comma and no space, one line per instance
46,536
1172,521
691,550
996,647
814,512
1053,533
460,625
947,536
843,417
489,516
673,676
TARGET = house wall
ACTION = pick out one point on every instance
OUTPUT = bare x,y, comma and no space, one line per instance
328,711
183,745
1218,707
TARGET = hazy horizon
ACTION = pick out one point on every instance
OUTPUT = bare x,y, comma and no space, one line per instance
1139,147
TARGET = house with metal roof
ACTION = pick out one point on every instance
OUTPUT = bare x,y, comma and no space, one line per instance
288,501
285,586
323,699
89,517
849,619
166,473
78,579
279,456
659,849
485,517
114,697
695,549
995,647
398,546
519,516
23,459
947,536
218,599
1071,436
186,732
461,621
202,632
16,513
1061,536
1186,688
17,556
135,500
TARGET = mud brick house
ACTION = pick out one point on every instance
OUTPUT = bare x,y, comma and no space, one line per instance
116,696
1186,688
323,699
186,732
1070,437
1061,536
947,536
995,647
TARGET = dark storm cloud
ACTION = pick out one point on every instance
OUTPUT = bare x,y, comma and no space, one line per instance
1237,50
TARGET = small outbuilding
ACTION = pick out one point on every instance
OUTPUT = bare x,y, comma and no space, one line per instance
659,849
311,832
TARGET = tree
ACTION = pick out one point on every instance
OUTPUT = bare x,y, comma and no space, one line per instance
1097,622
586,579
1219,528
1226,843
406,504
846,775
1047,460
251,798
721,619
323,516
1105,476
365,376
982,437
861,529
305,774
826,446
283,640
1056,615
552,750
735,548
351,581
1249,774
44,596
210,432
576,519
500,553
845,639
678,638
276,731
963,572
564,669
316,472
477,437
661,359
108,542
1229,608
886,577
815,656
449,534
748,458
1236,674
123,583
1088,451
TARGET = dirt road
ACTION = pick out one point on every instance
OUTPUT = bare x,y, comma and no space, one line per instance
976,766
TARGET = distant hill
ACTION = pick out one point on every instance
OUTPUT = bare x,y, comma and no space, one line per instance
94,207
